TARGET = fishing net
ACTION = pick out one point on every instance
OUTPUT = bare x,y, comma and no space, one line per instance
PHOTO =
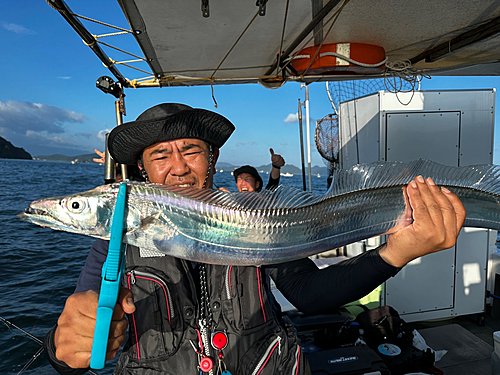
398,78
326,138
341,91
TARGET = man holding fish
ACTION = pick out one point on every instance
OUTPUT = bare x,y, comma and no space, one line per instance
188,317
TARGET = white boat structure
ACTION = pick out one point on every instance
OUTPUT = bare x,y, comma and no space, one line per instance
274,42
287,174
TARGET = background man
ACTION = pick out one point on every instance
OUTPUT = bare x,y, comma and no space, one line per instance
248,179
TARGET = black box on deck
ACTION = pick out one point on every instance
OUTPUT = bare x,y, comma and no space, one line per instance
352,360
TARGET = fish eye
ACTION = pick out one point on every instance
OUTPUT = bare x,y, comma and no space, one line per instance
76,205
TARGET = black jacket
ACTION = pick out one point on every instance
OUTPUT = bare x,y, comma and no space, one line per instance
167,302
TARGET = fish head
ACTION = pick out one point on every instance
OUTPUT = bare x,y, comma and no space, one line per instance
87,213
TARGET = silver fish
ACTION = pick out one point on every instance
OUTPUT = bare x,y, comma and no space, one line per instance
215,227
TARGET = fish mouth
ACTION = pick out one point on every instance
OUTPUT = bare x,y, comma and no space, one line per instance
35,211
37,216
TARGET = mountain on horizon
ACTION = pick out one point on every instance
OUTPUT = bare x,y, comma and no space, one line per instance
9,151
287,168
84,158
224,166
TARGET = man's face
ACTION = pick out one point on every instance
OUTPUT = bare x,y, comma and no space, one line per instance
246,182
181,162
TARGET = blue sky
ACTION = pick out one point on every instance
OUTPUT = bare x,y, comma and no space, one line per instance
49,103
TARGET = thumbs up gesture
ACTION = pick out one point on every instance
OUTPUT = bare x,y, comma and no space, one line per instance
276,160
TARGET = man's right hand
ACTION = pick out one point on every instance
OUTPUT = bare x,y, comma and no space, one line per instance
75,327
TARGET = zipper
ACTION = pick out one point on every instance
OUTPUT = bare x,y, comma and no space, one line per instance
265,358
134,274
228,282
295,369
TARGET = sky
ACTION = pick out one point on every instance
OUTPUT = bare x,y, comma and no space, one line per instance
49,103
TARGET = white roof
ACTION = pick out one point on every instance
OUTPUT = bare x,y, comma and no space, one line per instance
236,45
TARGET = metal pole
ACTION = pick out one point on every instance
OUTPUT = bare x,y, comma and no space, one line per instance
119,121
109,165
308,135
302,147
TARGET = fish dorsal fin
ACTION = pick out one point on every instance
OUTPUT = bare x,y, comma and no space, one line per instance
360,177
280,198
483,177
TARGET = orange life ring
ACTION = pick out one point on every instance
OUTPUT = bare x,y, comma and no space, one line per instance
365,59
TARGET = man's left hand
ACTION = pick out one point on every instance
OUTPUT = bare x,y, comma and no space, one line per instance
276,160
438,216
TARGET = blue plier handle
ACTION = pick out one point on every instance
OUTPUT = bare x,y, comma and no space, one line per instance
112,273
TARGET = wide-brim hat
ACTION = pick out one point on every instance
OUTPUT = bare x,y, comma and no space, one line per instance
251,171
166,122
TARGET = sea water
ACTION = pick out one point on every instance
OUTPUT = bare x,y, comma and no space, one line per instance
40,266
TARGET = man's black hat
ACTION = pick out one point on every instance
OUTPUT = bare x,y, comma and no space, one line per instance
166,122
251,171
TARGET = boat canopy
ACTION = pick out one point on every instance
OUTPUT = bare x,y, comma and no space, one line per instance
210,42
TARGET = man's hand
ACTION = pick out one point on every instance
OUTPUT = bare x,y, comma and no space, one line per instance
438,216
75,327
102,155
276,160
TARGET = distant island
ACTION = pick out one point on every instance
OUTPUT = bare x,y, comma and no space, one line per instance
287,170
84,158
9,151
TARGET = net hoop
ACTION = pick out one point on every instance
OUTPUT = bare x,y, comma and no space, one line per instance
326,138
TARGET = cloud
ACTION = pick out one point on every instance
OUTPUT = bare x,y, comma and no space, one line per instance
15,28
294,117
34,126
291,118
64,77
23,117
284,144
102,134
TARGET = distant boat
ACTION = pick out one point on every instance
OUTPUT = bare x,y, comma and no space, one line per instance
318,175
287,174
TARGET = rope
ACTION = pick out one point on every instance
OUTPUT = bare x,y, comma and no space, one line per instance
119,49
342,57
129,66
345,58
111,34
102,23
213,95
403,70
